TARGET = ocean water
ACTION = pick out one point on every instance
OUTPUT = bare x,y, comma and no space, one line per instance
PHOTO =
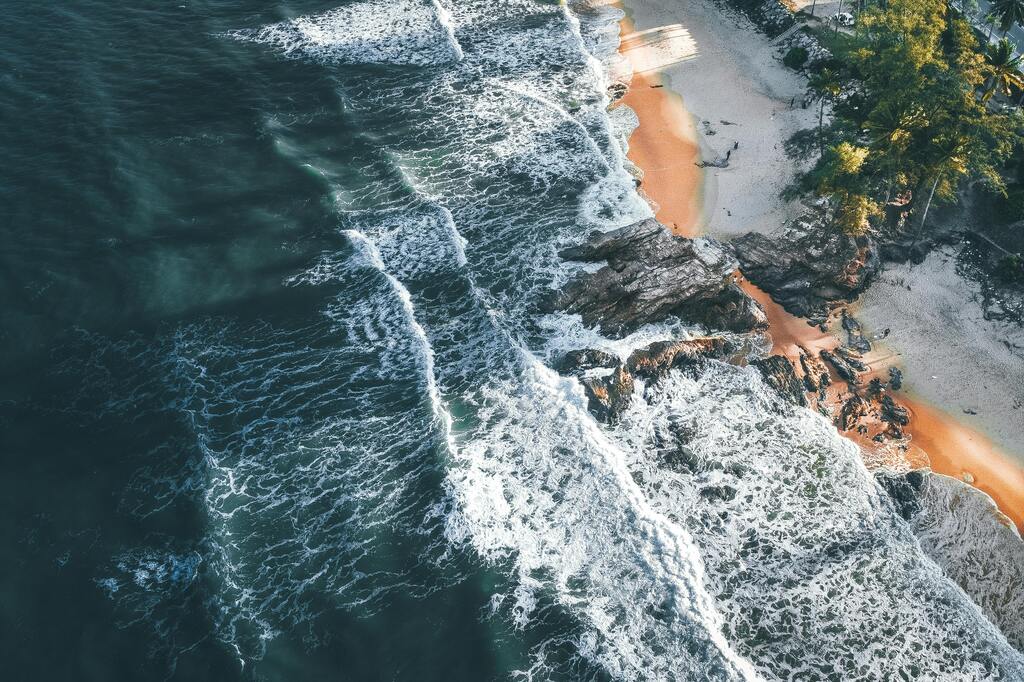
276,398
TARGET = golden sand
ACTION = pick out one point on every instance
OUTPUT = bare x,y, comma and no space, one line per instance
665,147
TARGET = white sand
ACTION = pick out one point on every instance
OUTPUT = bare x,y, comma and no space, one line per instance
951,356
726,70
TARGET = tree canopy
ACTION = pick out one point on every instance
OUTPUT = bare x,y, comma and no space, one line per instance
912,112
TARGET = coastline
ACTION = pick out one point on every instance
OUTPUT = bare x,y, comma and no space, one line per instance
687,201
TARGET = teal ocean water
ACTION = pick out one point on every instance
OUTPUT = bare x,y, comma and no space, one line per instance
276,400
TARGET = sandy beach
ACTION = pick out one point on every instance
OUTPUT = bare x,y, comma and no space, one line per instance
734,105
716,98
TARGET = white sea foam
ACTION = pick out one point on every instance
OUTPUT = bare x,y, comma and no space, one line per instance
713,534
365,32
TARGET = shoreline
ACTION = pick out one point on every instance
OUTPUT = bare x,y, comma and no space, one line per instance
678,189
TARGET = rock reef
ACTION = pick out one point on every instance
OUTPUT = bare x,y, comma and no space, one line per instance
608,382
808,268
652,275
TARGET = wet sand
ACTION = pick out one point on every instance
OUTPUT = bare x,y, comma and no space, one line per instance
667,151
664,146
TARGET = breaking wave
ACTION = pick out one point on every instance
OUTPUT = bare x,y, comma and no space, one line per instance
404,431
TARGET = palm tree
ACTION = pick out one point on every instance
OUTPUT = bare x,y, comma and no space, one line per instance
991,20
1009,12
824,86
1003,69
948,161
890,128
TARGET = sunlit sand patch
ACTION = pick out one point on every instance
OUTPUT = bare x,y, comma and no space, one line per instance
660,47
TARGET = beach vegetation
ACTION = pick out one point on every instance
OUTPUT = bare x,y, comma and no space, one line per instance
796,58
1003,69
912,115
1007,13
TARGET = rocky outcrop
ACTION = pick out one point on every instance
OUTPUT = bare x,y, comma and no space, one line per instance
854,410
609,383
651,275
893,413
771,16
608,396
808,268
779,373
816,376
846,369
656,359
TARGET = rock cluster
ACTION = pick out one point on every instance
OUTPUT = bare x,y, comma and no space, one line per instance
779,373
808,268
771,16
609,382
816,52
652,275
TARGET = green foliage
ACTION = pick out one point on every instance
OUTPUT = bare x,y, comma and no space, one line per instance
1003,69
913,113
1011,269
853,212
1008,13
1010,208
795,58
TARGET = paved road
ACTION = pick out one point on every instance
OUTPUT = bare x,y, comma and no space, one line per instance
1015,34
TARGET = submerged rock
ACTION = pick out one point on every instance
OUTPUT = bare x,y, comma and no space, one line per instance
808,268
651,275
609,383
779,373
579,361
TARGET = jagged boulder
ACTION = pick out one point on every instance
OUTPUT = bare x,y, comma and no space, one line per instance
854,409
779,373
651,275
894,413
816,376
808,268
609,383
656,359
608,396
846,368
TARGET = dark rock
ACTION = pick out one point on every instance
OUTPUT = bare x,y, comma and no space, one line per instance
579,361
895,378
656,359
718,493
609,392
608,396
875,387
893,413
651,275
855,409
617,91
778,372
842,366
807,268
816,376
853,358
904,490
854,334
